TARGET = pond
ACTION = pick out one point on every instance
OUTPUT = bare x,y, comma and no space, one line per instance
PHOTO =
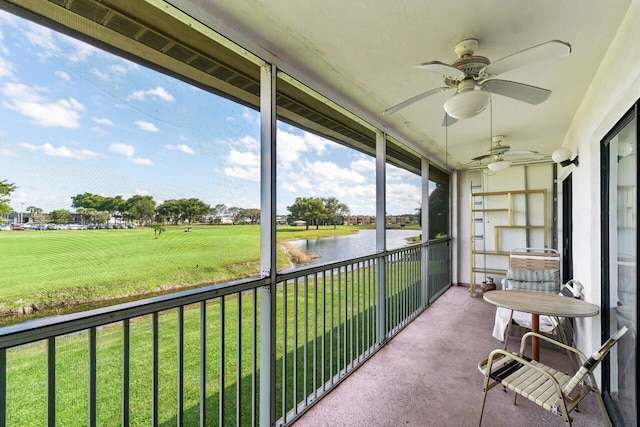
328,249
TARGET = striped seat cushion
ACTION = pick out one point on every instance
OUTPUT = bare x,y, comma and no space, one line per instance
533,280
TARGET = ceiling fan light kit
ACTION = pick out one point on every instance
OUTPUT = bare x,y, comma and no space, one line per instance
499,165
464,105
562,156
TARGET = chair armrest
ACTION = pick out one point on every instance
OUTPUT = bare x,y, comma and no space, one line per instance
582,356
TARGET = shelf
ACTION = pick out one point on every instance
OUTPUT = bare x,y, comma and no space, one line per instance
488,270
491,260
520,226
476,252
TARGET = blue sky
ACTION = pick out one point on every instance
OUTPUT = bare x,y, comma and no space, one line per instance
74,119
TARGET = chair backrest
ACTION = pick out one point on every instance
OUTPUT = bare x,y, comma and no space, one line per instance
533,269
590,364
573,289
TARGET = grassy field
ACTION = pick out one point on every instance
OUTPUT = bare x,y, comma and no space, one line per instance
50,267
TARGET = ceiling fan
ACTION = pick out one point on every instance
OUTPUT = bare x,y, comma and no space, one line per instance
499,156
472,77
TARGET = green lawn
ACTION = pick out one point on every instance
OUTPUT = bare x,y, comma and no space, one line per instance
48,267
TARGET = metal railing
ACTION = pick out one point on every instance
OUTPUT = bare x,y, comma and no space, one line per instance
192,357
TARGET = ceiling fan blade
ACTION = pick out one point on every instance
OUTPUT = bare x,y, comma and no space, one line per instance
525,154
549,50
447,120
442,68
484,156
530,94
414,99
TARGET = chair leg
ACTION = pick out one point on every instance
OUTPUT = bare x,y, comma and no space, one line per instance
485,388
603,410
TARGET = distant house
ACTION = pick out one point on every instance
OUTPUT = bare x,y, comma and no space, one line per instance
299,223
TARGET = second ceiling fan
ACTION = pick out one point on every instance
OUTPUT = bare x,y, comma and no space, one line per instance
472,76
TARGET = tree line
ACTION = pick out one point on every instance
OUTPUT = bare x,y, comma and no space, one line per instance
318,211
143,209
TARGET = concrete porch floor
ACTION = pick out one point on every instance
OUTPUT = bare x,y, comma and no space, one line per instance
427,376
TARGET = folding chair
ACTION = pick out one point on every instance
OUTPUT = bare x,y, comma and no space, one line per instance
549,388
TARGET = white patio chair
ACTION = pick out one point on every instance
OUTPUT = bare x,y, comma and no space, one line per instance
547,387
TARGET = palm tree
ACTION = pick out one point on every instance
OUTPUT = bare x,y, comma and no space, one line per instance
157,229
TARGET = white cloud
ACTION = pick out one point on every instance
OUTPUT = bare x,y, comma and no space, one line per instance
395,173
146,126
404,196
364,165
52,44
243,165
123,149
289,148
129,151
108,73
6,68
101,131
316,143
63,75
158,93
330,172
251,116
180,147
6,152
28,102
61,151
102,121
61,113
141,161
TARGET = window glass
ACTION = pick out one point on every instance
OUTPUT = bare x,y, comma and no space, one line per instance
622,282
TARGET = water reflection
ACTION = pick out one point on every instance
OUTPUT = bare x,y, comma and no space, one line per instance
328,249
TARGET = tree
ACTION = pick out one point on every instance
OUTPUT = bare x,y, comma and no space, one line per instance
157,229
6,188
191,209
60,216
439,212
234,212
34,212
335,210
309,209
142,208
253,214
87,201
218,211
169,210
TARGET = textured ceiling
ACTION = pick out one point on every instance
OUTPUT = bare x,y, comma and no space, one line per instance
362,54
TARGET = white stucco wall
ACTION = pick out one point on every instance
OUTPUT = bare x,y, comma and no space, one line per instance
615,88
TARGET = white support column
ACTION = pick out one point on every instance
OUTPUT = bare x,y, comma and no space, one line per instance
267,243
424,219
381,240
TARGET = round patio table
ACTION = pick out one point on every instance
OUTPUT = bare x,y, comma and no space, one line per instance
538,303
